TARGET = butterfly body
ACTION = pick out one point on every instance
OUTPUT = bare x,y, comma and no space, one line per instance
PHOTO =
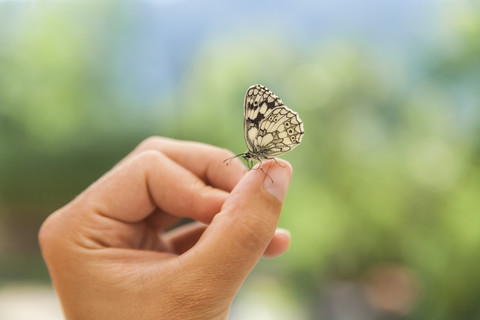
270,128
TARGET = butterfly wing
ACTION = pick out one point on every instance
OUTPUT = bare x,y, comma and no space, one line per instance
259,102
280,132
270,127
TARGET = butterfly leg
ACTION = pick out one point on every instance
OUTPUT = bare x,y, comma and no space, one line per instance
261,168
250,164
278,163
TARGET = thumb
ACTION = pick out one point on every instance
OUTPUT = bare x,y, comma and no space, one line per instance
238,236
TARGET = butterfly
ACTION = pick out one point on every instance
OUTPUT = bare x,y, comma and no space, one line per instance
270,128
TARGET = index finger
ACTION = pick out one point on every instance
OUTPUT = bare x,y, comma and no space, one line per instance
203,160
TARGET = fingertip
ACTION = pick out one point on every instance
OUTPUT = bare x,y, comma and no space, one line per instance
280,174
279,243
284,233
273,176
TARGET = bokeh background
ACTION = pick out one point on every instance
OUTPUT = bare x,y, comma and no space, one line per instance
384,206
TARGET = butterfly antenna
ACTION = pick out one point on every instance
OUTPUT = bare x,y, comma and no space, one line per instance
227,161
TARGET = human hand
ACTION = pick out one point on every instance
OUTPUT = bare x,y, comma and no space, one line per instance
109,254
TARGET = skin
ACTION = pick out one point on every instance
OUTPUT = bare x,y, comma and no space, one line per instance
112,252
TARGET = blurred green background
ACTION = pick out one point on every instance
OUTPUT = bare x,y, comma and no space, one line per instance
384,206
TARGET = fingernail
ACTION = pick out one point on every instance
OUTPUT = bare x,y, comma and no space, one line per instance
281,180
283,232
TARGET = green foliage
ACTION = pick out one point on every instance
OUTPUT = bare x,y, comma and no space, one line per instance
385,172
388,170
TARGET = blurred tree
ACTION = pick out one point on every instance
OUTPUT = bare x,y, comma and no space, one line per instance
385,171
63,123
388,169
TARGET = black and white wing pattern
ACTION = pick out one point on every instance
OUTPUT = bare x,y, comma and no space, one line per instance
270,127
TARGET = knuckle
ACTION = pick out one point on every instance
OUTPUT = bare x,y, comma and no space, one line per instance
225,154
47,235
153,142
149,155
255,238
